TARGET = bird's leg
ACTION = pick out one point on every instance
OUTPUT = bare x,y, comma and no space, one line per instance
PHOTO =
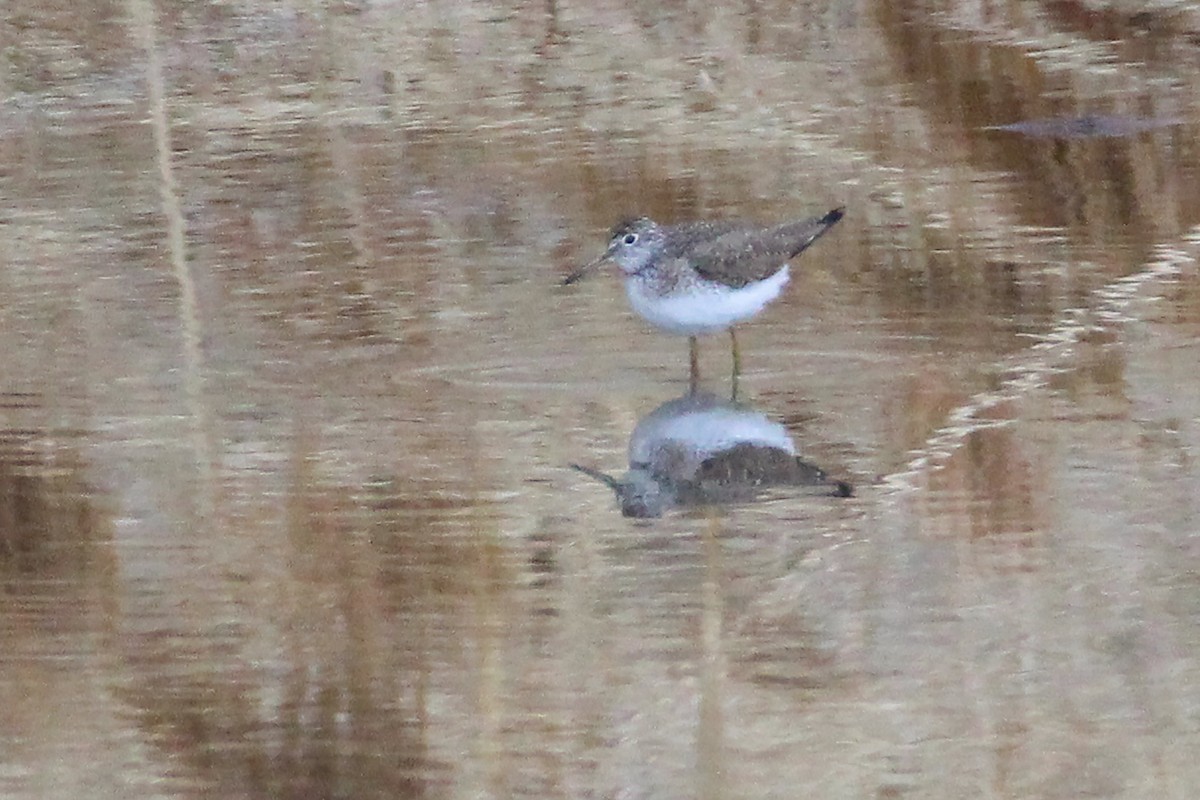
737,362
694,359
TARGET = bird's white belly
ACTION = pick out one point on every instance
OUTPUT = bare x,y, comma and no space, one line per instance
700,309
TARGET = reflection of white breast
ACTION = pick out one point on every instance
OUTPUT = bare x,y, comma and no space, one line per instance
700,308
699,433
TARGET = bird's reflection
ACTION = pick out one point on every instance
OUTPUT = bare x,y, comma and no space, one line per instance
700,450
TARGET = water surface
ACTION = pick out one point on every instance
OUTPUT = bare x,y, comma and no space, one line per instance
291,393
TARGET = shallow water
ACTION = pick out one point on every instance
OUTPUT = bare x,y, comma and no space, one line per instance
291,395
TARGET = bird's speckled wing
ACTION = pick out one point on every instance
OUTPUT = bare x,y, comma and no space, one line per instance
738,256
688,236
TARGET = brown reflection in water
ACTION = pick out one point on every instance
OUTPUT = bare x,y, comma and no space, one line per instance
326,696
335,734
49,528
1096,380
919,407
1141,32
1107,189
785,651
57,588
94,33
988,490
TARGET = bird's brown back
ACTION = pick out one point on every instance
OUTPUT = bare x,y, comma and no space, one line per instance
737,255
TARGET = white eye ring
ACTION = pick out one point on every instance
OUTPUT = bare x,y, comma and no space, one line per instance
629,238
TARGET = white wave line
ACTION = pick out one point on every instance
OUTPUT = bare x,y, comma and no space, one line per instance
1035,366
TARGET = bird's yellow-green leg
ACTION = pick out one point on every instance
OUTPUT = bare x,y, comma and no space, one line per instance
737,362
694,359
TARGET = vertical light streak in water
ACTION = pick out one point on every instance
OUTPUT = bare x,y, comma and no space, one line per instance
710,741
142,19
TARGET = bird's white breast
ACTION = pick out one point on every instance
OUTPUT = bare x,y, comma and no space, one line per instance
698,308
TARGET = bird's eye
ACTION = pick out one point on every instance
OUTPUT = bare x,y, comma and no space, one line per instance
630,238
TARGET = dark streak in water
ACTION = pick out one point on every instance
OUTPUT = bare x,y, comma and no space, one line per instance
1089,126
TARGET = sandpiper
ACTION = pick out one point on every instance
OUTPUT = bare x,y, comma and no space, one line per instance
703,277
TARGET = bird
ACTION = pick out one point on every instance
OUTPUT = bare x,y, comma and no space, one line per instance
705,276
